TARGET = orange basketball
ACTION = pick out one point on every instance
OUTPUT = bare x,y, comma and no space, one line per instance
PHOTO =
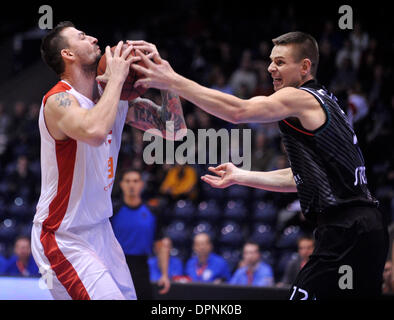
128,91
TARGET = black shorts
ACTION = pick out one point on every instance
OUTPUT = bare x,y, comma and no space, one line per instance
350,251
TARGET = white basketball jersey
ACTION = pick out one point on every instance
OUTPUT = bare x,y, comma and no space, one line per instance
77,178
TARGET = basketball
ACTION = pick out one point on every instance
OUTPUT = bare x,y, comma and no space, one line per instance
129,92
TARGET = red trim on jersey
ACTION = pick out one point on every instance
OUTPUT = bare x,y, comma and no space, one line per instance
65,272
299,130
59,87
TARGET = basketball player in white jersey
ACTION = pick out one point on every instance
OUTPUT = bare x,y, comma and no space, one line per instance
72,239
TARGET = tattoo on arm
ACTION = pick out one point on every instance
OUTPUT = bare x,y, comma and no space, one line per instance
148,115
63,99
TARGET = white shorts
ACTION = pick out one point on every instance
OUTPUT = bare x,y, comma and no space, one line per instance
85,264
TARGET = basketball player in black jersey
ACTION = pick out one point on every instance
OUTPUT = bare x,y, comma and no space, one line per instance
327,168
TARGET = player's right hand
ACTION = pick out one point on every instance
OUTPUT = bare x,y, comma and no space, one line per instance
226,174
118,65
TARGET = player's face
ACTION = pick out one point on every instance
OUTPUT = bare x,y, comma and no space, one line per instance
284,69
84,47
251,254
132,184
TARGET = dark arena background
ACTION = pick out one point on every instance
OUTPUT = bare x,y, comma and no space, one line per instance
220,44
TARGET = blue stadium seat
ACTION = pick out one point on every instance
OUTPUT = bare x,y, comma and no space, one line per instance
231,234
3,208
206,227
21,210
208,210
232,256
260,194
184,209
264,235
208,192
288,238
235,210
25,229
178,232
265,212
283,260
238,192
8,231
268,257
181,253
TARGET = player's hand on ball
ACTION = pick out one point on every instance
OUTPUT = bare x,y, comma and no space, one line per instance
149,49
225,175
118,65
158,73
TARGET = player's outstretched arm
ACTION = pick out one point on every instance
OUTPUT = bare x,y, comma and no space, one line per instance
288,102
228,174
168,118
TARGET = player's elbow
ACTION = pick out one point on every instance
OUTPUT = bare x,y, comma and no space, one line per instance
95,136
239,116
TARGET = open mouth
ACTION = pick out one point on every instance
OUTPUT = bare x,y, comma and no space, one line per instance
277,81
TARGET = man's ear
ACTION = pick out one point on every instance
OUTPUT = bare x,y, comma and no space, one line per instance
67,54
306,66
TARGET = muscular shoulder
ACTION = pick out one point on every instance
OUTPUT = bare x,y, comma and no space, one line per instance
296,98
60,101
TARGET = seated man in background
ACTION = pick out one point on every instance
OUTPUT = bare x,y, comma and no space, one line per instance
175,266
22,262
206,266
254,272
306,245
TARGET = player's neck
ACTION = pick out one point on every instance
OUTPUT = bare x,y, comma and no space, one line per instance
83,82
132,201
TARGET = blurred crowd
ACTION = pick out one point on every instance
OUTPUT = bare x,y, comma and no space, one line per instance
237,220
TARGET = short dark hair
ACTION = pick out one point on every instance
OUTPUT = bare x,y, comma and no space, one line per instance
128,170
51,46
306,44
252,242
307,237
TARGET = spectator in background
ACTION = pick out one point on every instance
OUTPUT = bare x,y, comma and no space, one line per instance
138,227
180,182
306,245
346,53
262,155
22,262
244,75
358,106
264,81
388,278
344,78
326,61
204,265
252,270
175,265
359,40
21,179
219,81
4,123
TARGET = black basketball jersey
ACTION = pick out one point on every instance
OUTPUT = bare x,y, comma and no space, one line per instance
327,163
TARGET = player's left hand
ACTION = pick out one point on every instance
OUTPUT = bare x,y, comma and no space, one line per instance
158,73
164,282
148,48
